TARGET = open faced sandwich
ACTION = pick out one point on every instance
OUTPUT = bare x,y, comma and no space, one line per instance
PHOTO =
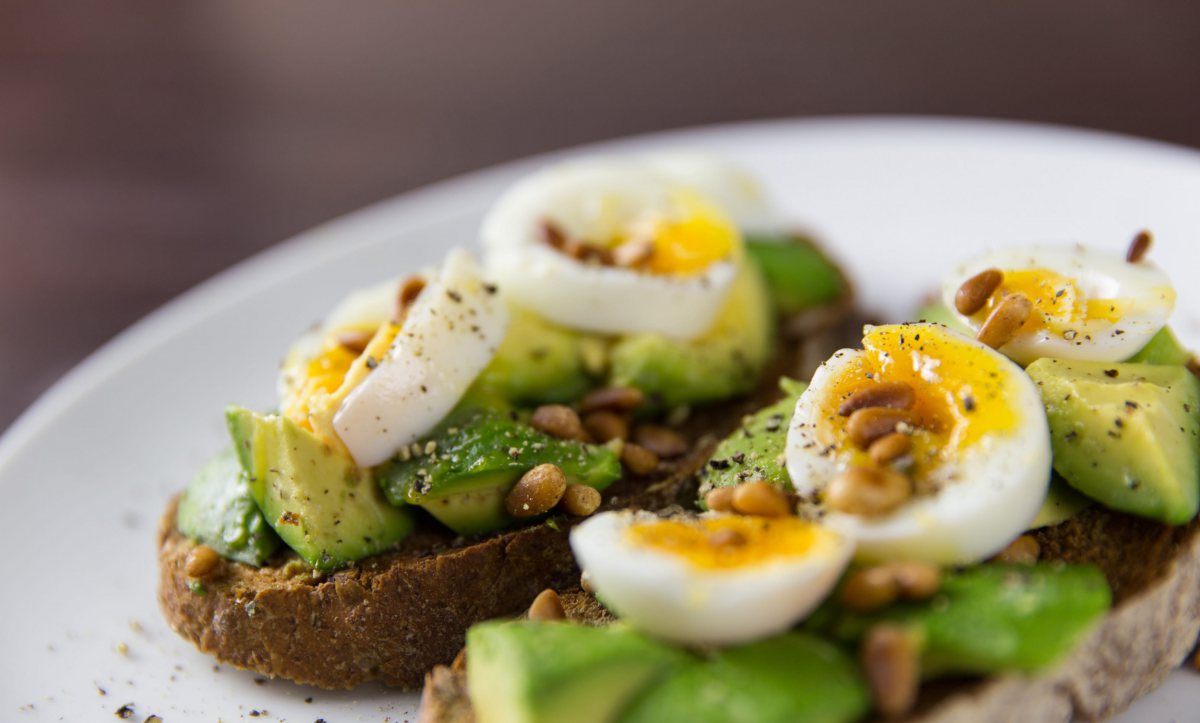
438,435
985,515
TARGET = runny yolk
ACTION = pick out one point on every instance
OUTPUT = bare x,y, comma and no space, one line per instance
693,239
1058,302
730,541
959,390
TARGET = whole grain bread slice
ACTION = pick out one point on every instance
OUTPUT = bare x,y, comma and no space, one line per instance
1154,572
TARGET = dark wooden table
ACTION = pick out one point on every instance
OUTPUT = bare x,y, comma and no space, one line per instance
145,146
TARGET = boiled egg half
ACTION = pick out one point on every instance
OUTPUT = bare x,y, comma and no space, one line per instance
979,445
1087,304
710,579
616,246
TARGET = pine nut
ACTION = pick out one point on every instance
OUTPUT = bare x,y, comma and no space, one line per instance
605,426
633,254
558,420
1005,320
460,661
869,424
893,395
719,499
552,234
201,562
613,399
637,459
1139,246
409,291
663,441
890,447
868,589
975,291
1022,551
580,500
760,499
537,492
354,340
893,668
916,580
547,606
726,538
868,491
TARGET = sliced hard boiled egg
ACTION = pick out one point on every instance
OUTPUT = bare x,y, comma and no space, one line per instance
417,370
713,579
1086,304
978,463
733,187
613,246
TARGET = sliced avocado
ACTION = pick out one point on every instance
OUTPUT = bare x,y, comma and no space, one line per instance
462,475
798,275
537,363
724,362
1163,348
939,313
534,672
218,510
990,618
755,450
791,678
323,506
1061,504
1126,435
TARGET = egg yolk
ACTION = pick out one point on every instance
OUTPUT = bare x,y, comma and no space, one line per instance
693,239
959,391
730,541
1058,302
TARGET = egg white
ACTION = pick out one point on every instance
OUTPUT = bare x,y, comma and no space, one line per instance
736,190
1098,274
670,598
590,198
988,495
448,336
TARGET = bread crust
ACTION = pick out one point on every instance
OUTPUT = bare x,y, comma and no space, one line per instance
1154,572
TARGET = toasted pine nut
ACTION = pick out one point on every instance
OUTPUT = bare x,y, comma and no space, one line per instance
889,447
893,668
604,425
868,491
870,588
580,500
916,580
663,441
975,291
558,420
547,606
201,562
614,399
1139,246
719,499
869,424
1022,551
409,291
1005,320
726,538
633,254
893,395
537,492
460,661
354,340
637,459
761,499
552,234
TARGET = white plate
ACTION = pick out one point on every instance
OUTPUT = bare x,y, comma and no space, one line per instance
84,474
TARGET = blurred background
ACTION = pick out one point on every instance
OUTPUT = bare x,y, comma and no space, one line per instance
145,146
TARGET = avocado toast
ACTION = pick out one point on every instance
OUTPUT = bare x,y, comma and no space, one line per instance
437,436
989,581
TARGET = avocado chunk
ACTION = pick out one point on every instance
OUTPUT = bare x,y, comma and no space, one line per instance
990,618
1126,435
1163,348
755,451
798,275
791,678
1061,504
319,502
218,510
537,363
724,362
534,672
462,475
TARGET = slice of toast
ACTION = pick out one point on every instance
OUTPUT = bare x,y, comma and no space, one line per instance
1154,572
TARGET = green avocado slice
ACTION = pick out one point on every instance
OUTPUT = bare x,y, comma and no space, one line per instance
218,510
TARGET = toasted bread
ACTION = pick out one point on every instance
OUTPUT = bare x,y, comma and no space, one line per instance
1154,572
